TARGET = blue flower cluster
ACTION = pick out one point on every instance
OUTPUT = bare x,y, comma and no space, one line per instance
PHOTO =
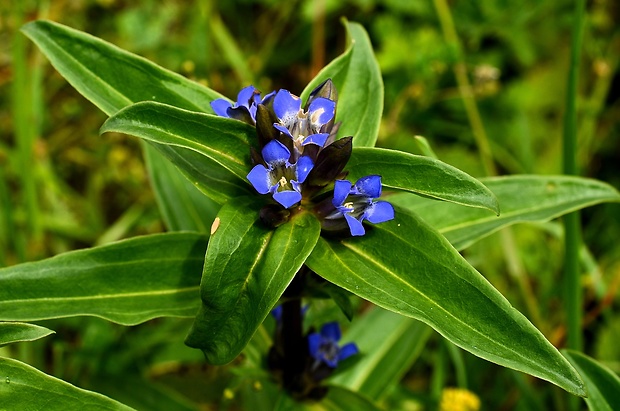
300,156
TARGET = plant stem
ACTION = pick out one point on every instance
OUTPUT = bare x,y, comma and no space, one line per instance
571,221
515,267
293,346
460,71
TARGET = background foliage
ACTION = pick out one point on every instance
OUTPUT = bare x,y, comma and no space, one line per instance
63,187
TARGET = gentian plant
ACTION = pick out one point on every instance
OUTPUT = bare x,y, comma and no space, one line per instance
301,206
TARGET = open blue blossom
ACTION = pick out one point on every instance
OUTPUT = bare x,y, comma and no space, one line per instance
324,347
245,107
355,203
304,127
280,178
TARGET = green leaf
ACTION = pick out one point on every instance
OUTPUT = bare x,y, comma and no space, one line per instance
191,210
223,141
405,266
12,332
389,344
112,79
522,198
247,268
127,282
26,388
602,384
357,78
421,175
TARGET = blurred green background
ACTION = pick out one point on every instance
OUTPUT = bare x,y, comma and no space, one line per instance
64,187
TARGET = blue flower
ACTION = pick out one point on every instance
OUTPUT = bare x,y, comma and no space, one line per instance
355,203
245,107
303,127
324,347
280,177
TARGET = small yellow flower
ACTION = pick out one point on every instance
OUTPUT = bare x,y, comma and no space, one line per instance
458,399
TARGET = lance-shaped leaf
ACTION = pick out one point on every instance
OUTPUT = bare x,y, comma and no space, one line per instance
112,78
26,388
602,384
389,345
421,175
522,198
127,282
247,268
12,332
405,266
224,141
358,81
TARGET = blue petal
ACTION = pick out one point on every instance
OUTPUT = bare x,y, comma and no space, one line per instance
379,212
304,165
266,99
333,363
259,177
283,129
244,96
277,313
321,111
369,186
286,105
331,331
287,198
314,343
318,139
355,225
347,351
220,106
275,151
342,188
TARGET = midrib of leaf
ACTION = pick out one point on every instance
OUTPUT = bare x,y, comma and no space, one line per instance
107,296
394,275
232,252
106,85
99,80
575,205
288,243
86,265
197,147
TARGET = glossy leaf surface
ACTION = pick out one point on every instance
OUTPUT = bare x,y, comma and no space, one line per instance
421,175
603,384
223,141
522,198
12,332
405,266
112,78
357,78
247,268
127,282
26,388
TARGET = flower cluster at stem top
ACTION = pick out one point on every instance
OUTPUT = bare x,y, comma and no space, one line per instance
300,157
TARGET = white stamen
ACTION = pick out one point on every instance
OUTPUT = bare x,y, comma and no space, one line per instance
283,181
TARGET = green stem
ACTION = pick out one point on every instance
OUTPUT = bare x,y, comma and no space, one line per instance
515,267
465,89
571,221
25,128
